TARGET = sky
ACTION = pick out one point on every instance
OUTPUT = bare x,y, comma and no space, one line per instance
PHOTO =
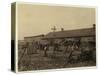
40,19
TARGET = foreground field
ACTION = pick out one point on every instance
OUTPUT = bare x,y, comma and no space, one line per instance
37,61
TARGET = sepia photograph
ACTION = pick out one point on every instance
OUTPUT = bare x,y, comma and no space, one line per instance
55,36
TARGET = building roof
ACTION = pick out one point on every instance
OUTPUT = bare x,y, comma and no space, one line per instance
71,33
42,35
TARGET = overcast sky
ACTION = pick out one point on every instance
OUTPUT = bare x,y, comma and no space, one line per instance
39,19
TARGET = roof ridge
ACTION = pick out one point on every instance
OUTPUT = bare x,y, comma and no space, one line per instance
72,30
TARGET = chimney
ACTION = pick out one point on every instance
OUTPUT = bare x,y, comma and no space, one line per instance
94,26
62,29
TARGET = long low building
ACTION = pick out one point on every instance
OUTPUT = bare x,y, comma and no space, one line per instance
86,34
83,38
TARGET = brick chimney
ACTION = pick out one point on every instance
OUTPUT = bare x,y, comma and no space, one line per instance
94,26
